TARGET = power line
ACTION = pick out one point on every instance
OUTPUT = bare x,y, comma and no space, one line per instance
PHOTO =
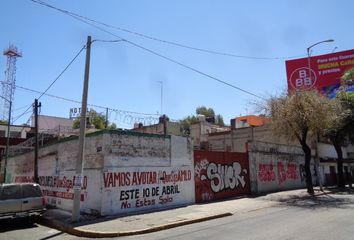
17,109
151,51
79,102
27,111
158,39
61,73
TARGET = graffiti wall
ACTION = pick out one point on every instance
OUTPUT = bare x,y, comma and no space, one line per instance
123,172
137,189
57,174
220,175
276,167
143,171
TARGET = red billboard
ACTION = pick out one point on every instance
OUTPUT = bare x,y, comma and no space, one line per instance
321,72
220,175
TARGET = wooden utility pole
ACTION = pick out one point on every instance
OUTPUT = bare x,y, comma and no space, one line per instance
79,161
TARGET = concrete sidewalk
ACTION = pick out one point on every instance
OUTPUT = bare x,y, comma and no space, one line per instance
144,223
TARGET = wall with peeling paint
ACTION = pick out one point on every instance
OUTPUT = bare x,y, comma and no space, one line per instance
275,167
119,167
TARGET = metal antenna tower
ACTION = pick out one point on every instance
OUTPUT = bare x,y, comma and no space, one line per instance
8,86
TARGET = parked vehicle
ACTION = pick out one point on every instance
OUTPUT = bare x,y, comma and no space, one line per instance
21,200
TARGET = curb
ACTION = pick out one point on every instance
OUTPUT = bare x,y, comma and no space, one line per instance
64,227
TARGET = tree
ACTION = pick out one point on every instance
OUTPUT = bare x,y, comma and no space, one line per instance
209,113
98,120
341,125
187,122
300,116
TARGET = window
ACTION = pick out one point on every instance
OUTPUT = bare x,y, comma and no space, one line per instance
2,133
29,191
11,192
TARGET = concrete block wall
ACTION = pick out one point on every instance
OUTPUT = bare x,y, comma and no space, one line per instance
276,167
56,170
123,172
143,172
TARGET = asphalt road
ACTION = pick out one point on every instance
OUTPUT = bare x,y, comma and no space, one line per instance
270,223
325,218
328,218
23,229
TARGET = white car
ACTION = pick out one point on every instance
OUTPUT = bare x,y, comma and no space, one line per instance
21,200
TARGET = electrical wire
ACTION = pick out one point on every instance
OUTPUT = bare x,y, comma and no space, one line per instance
150,51
56,79
79,102
158,39
20,108
27,111
62,72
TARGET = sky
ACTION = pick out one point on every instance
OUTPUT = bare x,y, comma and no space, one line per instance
127,76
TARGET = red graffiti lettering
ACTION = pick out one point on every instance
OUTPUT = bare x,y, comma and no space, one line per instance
266,173
291,172
176,176
144,178
116,179
23,179
281,173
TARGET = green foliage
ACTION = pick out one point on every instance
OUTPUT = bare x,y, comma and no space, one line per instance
96,119
187,122
207,112
112,126
3,122
341,125
298,114
202,110
348,76
219,120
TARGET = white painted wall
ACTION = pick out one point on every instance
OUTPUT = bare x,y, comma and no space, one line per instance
328,151
276,167
108,156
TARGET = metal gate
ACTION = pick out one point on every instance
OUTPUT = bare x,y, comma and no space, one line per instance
220,175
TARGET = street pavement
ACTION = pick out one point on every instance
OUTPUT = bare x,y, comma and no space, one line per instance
26,229
283,214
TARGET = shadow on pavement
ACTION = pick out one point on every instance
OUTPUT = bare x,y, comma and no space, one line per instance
8,225
335,199
52,236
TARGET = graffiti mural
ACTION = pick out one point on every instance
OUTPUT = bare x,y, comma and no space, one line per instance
145,188
220,175
266,172
285,172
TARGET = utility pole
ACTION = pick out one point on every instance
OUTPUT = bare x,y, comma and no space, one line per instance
79,161
106,122
36,147
7,142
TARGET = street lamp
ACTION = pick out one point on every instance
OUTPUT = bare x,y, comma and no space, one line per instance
308,56
8,137
317,157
